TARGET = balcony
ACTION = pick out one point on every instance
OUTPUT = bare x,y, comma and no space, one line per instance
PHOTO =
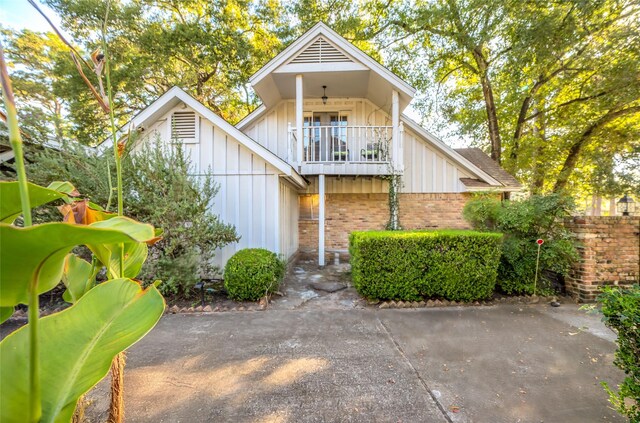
344,150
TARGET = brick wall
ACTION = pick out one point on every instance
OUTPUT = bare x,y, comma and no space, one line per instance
345,213
420,211
609,254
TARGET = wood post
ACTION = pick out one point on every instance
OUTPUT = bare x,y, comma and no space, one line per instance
299,119
321,220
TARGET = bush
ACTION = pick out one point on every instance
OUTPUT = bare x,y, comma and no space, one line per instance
621,310
159,190
523,222
410,265
252,273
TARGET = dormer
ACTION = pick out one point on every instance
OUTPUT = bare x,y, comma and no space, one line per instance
324,58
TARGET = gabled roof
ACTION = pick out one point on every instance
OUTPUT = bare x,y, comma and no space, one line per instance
338,47
175,95
487,164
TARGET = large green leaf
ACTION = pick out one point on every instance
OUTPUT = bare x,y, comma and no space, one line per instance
76,348
38,252
5,313
109,254
10,206
78,276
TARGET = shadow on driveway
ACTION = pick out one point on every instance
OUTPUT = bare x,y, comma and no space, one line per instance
472,364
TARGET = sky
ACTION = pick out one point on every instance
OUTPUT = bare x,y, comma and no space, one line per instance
19,14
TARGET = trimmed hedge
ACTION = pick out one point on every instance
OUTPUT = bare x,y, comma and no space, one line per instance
252,273
621,312
410,265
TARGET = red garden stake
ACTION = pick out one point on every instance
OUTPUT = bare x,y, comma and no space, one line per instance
535,282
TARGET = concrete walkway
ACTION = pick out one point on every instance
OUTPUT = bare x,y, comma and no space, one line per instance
505,363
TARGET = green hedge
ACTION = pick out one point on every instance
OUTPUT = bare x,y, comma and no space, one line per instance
411,265
621,311
252,273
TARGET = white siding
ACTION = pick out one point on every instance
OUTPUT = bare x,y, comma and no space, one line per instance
289,212
426,170
249,188
349,185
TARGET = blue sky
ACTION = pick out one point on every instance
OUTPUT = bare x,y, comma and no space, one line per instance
20,14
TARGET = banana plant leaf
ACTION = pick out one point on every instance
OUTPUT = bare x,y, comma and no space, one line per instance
109,255
5,313
10,206
37,253
78,276
76,348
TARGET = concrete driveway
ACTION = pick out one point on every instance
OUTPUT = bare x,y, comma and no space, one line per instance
504,363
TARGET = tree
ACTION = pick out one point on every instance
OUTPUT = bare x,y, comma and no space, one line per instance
539,82
208,48
39,55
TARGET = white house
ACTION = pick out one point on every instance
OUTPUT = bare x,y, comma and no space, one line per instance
309,165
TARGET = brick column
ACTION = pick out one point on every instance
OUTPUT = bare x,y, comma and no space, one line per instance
609,254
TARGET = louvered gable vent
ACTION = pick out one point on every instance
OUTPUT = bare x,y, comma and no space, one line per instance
321,51
183,126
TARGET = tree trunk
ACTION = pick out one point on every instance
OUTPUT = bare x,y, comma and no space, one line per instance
490,105
612,207
539,132
116,408
597,210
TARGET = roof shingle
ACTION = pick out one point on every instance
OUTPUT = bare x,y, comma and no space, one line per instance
488,165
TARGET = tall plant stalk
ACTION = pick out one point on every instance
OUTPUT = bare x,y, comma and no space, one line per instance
35,408
116,409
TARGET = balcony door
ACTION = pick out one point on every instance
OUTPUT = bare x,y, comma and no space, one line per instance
325,136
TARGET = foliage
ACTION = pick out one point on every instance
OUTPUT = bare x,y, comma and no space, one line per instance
84,341
209,48
621,310
523,222
159,189
120,313
550,88
409,265
253,273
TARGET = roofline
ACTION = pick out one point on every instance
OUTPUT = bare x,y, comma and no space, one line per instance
444,148
244,139
491,189
337,39
251,116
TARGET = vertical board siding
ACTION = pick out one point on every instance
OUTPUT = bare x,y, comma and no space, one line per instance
427,171
349,185
289,212
248,188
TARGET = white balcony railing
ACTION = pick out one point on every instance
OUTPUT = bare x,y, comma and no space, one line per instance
352,144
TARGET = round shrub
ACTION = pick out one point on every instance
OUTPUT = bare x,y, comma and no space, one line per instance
252,273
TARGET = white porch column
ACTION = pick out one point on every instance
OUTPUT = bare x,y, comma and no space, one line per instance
299,119
321,220
395,122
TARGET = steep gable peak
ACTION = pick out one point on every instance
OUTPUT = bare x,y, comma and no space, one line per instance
325,58
320,50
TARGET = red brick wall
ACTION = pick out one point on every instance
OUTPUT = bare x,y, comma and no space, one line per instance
420,211
609,254
345,213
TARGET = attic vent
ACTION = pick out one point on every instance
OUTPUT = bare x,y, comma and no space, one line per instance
321,52
183,125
